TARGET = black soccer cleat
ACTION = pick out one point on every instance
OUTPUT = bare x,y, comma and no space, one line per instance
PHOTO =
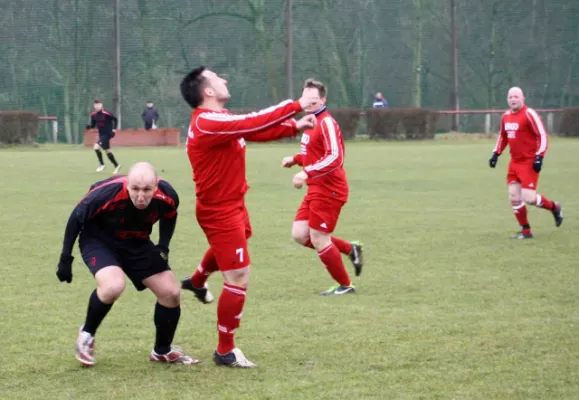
558,214
356,257
522,236
203,294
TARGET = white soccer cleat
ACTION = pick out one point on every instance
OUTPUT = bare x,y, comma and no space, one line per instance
175,356
84,348
117,169
100,168
233,359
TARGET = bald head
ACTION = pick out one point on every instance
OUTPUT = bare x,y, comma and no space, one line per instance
142,183
515,98
142,170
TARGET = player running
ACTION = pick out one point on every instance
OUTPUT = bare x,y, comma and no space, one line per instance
216,151
322,159
522,129
114,221
106,123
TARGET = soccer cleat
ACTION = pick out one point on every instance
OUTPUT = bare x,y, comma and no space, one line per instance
100,168
117,169
175,356
339,289
522,236
84,348
233,359
558,214
356,257
203,294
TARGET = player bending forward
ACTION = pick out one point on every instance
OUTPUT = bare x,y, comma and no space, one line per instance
114,221
216,151
106,123
523,130
322,159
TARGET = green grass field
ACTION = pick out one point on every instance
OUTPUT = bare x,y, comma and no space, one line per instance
447,306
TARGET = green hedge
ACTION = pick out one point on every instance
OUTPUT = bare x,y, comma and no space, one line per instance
348,120
18,127
570,122
402,124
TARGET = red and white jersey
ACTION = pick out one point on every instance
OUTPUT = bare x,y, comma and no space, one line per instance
525,134
322,157
216,148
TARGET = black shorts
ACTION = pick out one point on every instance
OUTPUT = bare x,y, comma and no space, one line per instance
138,262
105,141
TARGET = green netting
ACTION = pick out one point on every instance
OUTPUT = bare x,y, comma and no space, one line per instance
58,55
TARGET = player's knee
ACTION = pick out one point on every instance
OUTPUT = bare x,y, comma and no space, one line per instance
237,277
529,196
300,232
300,236
111,290
170,296
515,196
96,147
320,240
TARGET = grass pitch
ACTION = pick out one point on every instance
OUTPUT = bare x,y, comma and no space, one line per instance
447,306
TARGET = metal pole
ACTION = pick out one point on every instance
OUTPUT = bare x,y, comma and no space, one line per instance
289,49
55,131
117,61
454,63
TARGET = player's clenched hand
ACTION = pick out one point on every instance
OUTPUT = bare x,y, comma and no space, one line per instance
309,100
493,160
64,270
538,164
299,179
162,252
288,162
306,122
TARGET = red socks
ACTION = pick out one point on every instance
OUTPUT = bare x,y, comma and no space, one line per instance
229,311
343,246
332,259
543,202
520,211
207,266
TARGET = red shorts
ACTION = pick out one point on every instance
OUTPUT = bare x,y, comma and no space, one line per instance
321,214
227,231
523,173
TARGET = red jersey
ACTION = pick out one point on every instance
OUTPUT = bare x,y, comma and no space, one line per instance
525,134
322,156
216,148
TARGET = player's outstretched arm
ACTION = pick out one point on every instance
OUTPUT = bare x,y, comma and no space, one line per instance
222,127
287,128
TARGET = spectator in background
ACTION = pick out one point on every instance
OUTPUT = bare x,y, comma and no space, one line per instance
150,116
380,101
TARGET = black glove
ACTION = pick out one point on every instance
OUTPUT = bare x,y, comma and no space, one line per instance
162,252
88,127
493,160
64,271
538,164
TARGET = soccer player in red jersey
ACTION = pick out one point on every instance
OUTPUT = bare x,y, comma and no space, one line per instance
216,152
322,159
523,130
